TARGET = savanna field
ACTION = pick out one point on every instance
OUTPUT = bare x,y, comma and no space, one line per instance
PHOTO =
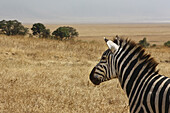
51,76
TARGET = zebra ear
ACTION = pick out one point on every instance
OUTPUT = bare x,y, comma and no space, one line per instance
111,45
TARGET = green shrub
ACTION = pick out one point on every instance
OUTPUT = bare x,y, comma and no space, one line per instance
167,44
12,27
40,30
144,43
153,45
65,33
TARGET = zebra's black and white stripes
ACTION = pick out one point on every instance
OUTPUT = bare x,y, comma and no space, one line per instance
147,90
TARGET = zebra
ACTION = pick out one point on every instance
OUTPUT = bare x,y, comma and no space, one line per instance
146,89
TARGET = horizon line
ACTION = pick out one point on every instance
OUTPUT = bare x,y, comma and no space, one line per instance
86,23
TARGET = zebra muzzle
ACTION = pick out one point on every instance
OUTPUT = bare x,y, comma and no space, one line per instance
94,78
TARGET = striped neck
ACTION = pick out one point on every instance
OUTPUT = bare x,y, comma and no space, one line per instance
132,63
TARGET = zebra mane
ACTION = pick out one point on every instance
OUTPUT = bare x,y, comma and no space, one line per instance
150,61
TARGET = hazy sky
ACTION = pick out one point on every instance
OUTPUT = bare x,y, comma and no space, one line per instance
85,11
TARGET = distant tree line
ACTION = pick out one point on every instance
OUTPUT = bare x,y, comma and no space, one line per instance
13,27
146,44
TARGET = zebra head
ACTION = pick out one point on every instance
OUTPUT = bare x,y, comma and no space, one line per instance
104,70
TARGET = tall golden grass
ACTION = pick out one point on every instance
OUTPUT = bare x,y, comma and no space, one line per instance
50,76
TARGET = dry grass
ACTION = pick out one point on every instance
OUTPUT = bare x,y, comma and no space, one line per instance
49,76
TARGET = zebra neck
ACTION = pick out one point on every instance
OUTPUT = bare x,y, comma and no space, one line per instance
133,74
131,63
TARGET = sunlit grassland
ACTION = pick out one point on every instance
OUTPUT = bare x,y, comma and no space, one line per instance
44,75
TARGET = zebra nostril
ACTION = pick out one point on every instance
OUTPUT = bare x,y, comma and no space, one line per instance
94,79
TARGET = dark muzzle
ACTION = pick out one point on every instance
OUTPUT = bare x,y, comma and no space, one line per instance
94,79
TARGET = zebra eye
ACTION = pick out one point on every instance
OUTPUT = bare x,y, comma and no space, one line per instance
103,58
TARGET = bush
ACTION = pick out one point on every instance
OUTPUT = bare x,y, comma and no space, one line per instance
153,45
46,33
65,32
144,43
40,30
167,44
12,27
